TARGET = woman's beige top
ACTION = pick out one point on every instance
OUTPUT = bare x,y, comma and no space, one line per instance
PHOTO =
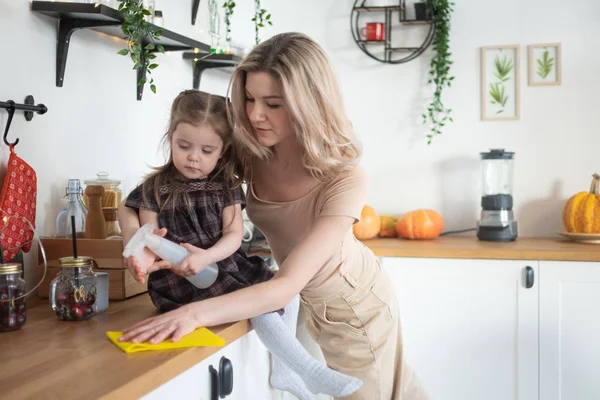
285,224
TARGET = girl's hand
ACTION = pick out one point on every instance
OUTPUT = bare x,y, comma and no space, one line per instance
173,324
148,264
196,261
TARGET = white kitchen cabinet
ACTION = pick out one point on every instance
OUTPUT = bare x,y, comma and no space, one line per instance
470,326
569,330
250,360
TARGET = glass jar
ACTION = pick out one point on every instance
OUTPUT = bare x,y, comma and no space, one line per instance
73,291
13,311
112,224
112,192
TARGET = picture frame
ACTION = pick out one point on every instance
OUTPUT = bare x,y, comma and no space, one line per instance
545,64
500,83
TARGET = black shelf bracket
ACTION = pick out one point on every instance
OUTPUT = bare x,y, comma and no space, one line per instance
204,61
66,27
195,6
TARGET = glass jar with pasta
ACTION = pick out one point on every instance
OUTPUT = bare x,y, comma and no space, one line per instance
112,192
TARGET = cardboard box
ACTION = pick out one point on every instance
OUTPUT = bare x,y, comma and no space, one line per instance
106,252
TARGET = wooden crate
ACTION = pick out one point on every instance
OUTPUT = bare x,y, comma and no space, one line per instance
107,253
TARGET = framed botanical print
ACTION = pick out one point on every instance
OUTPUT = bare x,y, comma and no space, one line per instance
500,80
545,64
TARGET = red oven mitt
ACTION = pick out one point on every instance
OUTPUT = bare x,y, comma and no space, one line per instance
18,198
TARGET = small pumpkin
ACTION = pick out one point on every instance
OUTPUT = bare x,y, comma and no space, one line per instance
581,213
388,226
369,224
420,224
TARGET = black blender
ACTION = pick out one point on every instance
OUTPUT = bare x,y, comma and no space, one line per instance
497,223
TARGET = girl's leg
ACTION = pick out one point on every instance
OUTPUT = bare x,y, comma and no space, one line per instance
282,343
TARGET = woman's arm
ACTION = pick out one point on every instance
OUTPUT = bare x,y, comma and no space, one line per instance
318,246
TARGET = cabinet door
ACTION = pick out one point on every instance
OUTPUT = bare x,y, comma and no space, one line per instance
569,330
250,361
191,384
470,326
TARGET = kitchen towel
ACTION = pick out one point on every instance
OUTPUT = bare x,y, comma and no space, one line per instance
17,199
199,338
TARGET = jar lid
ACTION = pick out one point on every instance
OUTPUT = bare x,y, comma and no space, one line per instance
497,154
102,179
10,268
81,261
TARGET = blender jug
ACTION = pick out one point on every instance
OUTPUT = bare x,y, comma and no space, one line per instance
497,222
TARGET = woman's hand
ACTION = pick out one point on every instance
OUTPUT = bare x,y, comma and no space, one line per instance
196,261
174,325
148,264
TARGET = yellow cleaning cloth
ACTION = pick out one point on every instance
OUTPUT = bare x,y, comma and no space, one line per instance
200,337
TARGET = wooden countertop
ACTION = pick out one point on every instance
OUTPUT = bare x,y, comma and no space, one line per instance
54,359
470,247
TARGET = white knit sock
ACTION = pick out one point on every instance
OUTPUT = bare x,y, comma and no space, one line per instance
280,338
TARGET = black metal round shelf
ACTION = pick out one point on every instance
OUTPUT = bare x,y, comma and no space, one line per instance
389,52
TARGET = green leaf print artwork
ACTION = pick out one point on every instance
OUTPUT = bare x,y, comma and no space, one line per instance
545,65
498,95
503,68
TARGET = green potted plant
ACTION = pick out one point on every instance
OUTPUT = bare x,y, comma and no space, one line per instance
137,30
439,68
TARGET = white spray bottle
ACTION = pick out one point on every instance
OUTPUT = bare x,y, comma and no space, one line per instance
168,251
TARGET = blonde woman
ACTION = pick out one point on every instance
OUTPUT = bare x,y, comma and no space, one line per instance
305,191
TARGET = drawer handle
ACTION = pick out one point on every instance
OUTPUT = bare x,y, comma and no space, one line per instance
225,377
214,383
529,278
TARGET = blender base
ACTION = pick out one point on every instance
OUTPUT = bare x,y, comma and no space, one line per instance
498,233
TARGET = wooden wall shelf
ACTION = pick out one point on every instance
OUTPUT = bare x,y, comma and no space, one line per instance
101,18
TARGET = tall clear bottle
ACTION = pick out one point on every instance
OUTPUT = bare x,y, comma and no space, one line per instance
75,207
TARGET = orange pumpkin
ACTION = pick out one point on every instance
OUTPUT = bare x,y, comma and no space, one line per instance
388,226
369,224
420,224
581,213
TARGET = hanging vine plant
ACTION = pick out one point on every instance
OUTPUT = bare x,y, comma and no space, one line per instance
136,29
228,5
261,18
439,68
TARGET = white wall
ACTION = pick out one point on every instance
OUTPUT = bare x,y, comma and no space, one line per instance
95,122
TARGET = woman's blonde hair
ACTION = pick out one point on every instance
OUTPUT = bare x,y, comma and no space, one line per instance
312,97
195,108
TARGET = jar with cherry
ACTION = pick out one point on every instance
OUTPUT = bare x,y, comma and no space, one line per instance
13,311
73,291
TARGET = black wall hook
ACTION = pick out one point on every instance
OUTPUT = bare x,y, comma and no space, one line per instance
29,108
11,112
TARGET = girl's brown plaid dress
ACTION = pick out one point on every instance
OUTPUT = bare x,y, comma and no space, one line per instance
202,227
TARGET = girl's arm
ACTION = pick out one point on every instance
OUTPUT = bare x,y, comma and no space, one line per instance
318,246
231,240
232,234
130,223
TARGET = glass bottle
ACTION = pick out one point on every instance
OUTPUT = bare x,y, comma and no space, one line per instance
76,208
13,311
73,292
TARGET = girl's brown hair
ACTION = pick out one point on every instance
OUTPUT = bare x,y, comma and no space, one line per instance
195,108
